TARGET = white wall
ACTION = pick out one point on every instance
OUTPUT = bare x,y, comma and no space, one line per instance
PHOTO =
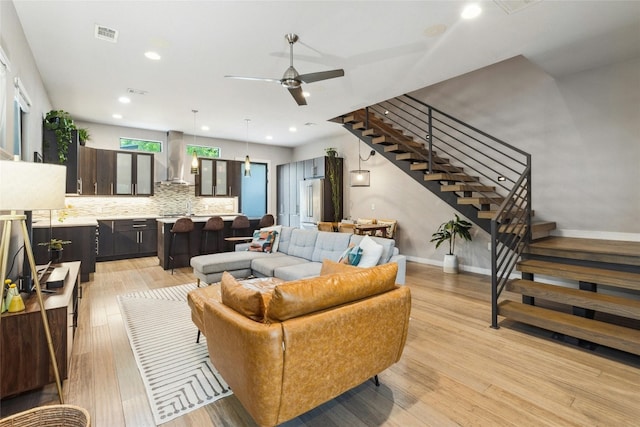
23,66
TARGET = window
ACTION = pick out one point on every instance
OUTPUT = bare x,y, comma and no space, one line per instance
203,151
140,145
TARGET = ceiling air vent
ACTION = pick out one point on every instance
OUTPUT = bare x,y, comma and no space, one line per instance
106,33
513,6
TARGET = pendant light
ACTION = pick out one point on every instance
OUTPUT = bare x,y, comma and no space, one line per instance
247,160
361,177
194,159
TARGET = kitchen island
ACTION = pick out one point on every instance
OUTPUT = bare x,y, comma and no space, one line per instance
182,254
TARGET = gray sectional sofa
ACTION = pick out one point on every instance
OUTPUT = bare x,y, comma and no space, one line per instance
299,254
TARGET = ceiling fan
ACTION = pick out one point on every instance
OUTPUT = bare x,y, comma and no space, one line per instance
293,80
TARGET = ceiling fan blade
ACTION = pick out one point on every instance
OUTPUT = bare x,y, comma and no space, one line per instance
261,79
322,75
297,95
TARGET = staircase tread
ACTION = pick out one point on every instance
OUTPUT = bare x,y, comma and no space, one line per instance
620,306
609,247
602,276
620,337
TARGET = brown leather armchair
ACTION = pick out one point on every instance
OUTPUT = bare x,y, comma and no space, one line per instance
319,338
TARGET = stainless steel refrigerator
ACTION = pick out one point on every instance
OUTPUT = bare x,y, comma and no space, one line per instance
311,200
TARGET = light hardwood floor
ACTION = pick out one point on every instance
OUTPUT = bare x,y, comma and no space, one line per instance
455,369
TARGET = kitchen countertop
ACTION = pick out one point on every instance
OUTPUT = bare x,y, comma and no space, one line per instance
93,221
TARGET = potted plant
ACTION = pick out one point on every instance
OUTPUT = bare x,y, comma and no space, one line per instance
83,135
63,126
55,249
447,232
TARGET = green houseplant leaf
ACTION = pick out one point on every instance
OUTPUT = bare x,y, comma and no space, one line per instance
448,231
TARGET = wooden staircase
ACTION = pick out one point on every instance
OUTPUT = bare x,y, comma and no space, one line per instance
583,312
575,309
451,183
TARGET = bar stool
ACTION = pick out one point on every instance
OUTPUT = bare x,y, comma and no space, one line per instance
214,225
239,228
266,221
181,226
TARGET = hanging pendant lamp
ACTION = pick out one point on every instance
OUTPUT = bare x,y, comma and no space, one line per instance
247,160
361,177
194,159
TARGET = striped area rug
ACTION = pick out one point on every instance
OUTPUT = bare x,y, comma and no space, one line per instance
176,370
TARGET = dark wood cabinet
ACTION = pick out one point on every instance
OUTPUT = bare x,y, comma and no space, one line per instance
82,247
105,172
133,174
87,176
219,178
127,238
24,360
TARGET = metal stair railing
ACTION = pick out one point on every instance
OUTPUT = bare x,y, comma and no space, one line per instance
493,161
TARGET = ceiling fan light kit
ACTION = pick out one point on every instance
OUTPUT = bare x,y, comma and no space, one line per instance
291,79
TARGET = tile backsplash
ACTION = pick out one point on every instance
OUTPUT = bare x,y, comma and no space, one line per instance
167,199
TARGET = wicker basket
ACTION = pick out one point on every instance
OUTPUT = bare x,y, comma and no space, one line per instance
51,415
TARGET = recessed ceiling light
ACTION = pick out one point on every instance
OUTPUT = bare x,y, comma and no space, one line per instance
205,128
124,99
155,56
268,137
435,30
293,129
116,116
471,11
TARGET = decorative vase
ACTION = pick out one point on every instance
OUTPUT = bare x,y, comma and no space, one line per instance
16,304
12,291
450,264
56,256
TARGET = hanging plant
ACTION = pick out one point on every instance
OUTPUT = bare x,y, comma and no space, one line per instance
334,182
63,126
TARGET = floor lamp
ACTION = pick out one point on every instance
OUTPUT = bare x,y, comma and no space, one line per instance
26,187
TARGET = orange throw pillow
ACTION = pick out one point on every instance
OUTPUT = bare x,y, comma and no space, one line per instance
247,302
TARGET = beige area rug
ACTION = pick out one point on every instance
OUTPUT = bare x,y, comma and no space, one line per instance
176,370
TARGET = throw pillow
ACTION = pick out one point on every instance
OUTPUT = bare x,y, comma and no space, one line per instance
351,255
262,241
371,252
247,302
276,241
332,267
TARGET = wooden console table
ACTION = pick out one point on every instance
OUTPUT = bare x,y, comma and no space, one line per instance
24,360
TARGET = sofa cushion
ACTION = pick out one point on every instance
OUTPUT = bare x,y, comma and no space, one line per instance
298,271
247,302
276,241
265,266
225,261
300,297
371,252
285,239
301,244
387,244
263,241
331,267
329,246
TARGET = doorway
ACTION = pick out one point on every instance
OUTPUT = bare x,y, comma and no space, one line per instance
254,191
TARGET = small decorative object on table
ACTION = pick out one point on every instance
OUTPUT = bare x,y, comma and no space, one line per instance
55,249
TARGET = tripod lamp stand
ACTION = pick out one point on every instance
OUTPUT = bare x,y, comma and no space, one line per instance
28,186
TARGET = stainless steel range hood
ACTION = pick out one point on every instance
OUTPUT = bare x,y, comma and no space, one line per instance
176,153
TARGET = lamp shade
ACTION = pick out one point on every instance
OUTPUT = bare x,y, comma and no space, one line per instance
359,178
26,186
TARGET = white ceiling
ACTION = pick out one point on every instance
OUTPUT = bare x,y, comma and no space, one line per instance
386,49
